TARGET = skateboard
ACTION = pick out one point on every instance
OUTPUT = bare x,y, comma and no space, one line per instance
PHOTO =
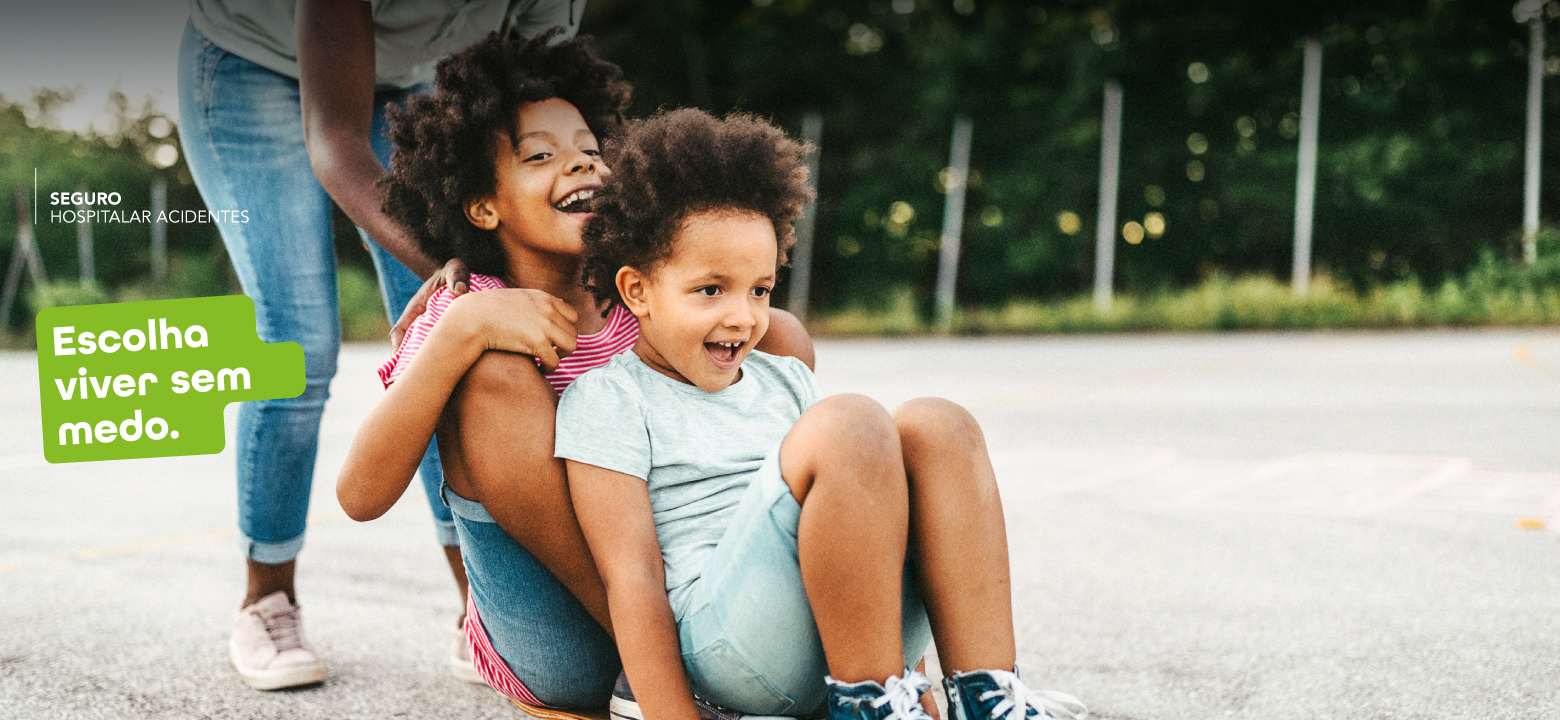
541,713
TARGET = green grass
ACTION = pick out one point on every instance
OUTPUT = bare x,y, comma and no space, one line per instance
1492,294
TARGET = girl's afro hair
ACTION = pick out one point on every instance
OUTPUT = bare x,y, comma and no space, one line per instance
445,141
683,162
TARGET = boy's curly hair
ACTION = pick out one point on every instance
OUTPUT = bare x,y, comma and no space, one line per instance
445,141
678,163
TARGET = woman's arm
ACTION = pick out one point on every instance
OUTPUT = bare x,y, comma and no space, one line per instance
335,40
614,511
391,440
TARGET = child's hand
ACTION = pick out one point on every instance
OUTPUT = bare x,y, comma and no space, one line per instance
453,275
529,322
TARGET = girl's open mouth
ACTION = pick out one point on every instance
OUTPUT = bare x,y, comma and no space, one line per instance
577,202
724,354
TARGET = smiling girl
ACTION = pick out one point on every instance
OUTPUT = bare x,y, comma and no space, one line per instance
497,168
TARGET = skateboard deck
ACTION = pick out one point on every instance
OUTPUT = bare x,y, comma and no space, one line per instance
541,713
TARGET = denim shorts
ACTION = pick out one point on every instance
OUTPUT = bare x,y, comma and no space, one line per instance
543,633
749,641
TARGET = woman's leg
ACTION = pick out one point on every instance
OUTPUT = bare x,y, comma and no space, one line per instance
504,412
842,463
958,541
244,145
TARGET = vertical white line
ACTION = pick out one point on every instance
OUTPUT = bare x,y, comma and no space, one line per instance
1535,120
801,254
1110,175
1305,180
35,196
953,220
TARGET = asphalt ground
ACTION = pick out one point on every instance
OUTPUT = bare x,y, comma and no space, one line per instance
1295,525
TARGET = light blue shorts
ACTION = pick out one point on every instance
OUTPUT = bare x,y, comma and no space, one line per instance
749,640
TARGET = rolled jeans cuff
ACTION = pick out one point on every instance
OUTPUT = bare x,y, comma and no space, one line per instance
270,553
445,529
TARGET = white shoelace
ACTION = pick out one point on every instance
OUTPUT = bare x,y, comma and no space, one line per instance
283,628
903,696
1017,698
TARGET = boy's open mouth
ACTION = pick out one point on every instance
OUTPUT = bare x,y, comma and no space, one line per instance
723,353
579,201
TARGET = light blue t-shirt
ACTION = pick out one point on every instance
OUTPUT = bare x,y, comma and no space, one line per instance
697,450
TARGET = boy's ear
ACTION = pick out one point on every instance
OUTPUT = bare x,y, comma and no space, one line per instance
631,286
481,213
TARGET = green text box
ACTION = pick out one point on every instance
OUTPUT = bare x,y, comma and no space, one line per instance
150,379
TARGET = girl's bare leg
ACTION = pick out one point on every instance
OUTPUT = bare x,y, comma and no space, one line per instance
842,462
497,445
958,537
458,569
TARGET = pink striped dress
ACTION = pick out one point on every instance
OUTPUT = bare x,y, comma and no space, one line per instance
591,351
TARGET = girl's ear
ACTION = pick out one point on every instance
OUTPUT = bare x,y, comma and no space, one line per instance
480,212
631,286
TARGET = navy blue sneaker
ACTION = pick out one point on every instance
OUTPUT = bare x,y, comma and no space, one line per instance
867,700
1000,695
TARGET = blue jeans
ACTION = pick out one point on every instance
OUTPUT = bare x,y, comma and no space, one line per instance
542,632
749,640
242,134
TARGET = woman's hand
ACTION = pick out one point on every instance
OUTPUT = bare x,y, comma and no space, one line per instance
517,320
453,275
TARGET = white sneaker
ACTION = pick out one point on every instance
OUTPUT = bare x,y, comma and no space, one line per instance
460,660
268,647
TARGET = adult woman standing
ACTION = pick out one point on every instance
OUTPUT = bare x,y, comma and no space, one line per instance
282,110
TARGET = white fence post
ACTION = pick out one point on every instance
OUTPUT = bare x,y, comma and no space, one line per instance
25,253
1110,177
1305,178
801,254
1535,123
953,221
159,229
84,243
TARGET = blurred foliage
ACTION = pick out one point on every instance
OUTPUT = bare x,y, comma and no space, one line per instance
1420,166
1419,179
124,158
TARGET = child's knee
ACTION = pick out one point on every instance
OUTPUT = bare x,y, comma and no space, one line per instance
854,422
935,422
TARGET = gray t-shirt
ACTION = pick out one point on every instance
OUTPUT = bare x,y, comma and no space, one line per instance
409,35
697,450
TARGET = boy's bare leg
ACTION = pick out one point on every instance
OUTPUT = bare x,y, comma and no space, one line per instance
503,442
265,579
958,537
842,462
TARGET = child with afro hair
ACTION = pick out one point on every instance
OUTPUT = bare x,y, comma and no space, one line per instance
495,170
753,536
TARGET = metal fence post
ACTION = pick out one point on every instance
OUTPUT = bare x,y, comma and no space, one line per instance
84,243
1535,123
25,253
953,220
801,254
1305,179
159,229
1110,177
